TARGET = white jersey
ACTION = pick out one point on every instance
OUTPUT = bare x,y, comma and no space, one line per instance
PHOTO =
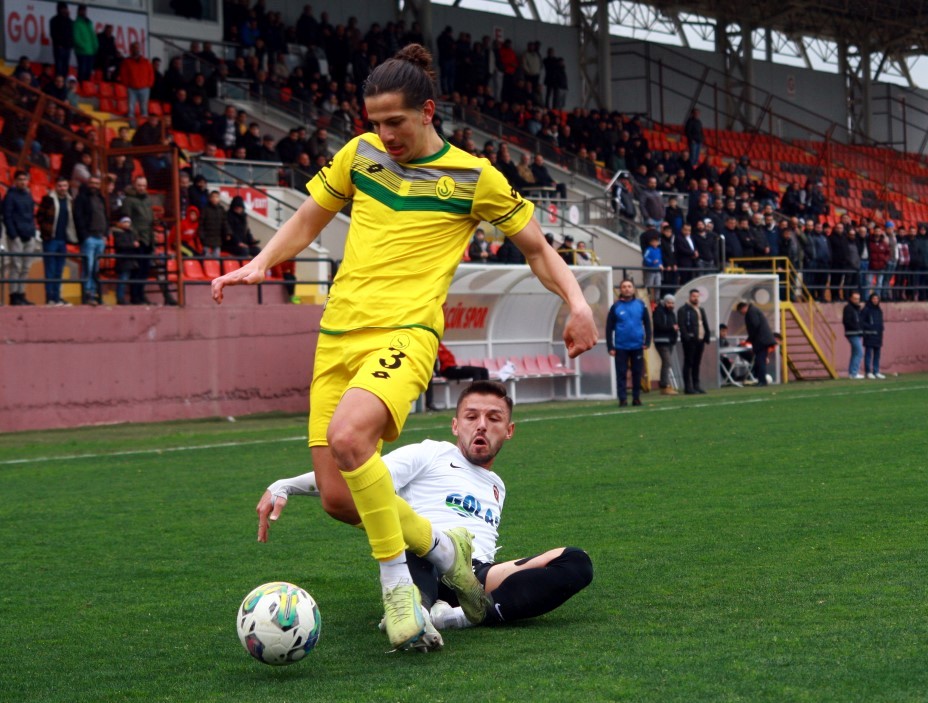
444,487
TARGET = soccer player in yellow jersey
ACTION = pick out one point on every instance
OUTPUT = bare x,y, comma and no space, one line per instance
416,202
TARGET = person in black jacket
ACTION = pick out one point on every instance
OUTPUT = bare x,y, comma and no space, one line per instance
695,335
509,253
91,224
240,242
854,332
61,28
669,258
871,320
666,332
760,337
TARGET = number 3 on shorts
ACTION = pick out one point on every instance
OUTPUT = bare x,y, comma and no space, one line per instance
395,361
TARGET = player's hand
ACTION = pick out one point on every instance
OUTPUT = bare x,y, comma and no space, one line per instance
269,509
580,332
249,274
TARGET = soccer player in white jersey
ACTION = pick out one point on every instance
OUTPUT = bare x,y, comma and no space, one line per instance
453,485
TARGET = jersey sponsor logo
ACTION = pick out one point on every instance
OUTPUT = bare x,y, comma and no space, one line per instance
444,189
468,506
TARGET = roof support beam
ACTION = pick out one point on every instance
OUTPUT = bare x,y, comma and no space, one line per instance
594,52
736,46
854,63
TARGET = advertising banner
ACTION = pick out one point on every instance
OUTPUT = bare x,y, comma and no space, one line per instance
27,33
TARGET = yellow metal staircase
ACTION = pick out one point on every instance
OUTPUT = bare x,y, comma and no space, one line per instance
807,347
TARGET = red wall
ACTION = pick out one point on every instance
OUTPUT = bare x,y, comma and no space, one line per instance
63,367
905,341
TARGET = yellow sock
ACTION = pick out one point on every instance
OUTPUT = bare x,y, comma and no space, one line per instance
417,531
372,489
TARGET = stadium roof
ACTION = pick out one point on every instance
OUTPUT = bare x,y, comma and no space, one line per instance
896,27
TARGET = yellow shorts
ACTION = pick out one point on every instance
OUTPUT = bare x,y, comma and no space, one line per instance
393,364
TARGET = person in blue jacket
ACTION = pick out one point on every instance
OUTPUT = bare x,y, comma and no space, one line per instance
628,334
653,263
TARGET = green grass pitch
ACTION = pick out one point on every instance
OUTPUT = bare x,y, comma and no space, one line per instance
749,545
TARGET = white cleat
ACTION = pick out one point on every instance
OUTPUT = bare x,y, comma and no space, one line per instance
446,617
431,640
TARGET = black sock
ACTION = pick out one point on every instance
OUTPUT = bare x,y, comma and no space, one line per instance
532,592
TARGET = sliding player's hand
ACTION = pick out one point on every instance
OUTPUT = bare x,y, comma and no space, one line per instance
269,509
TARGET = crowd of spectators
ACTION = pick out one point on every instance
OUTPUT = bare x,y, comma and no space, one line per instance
684,203
719,230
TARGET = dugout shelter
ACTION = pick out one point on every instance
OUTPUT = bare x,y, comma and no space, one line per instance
499,313
719,295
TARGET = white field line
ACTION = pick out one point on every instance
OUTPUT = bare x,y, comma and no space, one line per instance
546,418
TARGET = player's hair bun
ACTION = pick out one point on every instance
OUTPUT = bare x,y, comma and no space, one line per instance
418,56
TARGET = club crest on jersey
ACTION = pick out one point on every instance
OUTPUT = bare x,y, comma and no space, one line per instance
444,189
496,493
400,341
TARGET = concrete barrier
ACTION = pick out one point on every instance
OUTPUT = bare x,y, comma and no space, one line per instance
66,367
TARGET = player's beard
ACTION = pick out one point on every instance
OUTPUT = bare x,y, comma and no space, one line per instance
482,454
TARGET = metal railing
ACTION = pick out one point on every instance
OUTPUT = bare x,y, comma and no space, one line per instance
169,280
219,171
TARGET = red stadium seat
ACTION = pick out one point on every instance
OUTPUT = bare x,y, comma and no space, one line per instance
230,265
197,142
211,269
193,270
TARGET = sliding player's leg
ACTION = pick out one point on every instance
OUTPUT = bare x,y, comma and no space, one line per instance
524,588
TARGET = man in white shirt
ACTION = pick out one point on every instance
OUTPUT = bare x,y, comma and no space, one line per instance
453,485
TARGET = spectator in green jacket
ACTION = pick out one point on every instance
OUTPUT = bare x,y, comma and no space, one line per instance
86,44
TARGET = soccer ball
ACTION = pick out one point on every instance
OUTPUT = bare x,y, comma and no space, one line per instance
279,623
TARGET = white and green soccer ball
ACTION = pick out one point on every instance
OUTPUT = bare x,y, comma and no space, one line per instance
279,623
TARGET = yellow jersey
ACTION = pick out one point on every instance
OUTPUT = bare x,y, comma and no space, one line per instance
410,223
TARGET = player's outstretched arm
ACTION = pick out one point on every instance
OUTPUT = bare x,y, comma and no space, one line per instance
293,237
275,499
580,333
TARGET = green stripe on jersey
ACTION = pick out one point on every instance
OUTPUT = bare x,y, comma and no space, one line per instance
397,202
